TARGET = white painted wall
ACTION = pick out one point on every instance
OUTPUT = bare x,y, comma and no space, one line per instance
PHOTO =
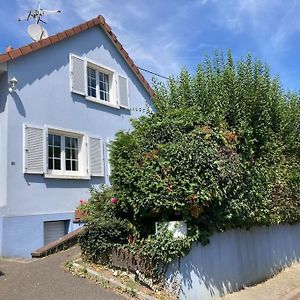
234,259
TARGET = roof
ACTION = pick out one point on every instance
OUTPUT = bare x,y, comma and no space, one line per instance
51,40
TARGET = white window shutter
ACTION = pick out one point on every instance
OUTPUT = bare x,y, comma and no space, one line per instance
123,92
96,157
78,75
33,150
108,157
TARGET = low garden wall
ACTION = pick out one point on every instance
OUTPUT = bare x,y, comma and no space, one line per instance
234,259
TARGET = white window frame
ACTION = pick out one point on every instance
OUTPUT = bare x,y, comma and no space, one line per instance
113,82
83,172
112,77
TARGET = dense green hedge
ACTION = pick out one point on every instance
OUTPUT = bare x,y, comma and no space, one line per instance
221,151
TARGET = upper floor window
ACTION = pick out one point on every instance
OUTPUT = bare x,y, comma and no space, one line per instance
98,83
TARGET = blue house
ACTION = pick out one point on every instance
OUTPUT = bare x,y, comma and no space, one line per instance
61,100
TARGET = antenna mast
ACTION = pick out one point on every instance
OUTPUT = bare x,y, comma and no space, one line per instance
36,31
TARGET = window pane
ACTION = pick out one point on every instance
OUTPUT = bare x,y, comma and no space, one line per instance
68,165
56,140
57,152
68,142
104,86
50,164
91,80
105,78
50,151
92,93
101,95
101,85
74,143
57,164
50,139
106,97
68,153
73,154
74,165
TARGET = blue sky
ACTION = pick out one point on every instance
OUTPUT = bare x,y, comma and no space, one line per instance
165,36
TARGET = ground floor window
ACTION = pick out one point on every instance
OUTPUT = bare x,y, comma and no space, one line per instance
64,153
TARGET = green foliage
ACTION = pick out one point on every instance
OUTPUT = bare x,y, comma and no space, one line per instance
105,226
221,152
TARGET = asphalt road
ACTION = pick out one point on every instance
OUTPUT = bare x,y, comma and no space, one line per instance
46,279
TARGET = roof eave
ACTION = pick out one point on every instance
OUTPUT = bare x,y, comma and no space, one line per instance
98,21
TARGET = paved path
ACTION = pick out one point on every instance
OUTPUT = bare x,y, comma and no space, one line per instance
46,279
284,286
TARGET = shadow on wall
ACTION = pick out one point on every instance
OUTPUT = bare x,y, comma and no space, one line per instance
19,104
97,106
1,273
64,183
233,260
4,92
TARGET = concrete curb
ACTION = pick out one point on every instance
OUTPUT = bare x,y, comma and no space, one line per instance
114,283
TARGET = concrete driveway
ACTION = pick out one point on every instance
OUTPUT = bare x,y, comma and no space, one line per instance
46,278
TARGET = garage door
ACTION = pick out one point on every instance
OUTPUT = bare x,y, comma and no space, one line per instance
54,230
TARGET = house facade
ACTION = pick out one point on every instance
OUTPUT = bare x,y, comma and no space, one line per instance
74,91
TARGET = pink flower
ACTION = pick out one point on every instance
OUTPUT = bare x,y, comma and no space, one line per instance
82,201
114,200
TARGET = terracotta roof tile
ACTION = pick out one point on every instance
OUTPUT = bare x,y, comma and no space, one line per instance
98,21
130,61
4,57
114,37
35,46
107,27
61,35
83,26
119,45
25,50
135,69
54,39
101,20
45,42
14,53
70,32
90,23
77,29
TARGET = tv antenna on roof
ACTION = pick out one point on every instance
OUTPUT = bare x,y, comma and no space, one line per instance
36,30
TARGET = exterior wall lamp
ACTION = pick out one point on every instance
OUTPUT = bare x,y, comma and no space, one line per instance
13,85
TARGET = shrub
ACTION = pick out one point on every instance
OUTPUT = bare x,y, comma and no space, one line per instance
105,227
221,152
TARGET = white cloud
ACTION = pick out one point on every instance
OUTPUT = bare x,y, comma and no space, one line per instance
165,35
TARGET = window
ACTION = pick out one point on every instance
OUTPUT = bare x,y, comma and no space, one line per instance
98,83
63,153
